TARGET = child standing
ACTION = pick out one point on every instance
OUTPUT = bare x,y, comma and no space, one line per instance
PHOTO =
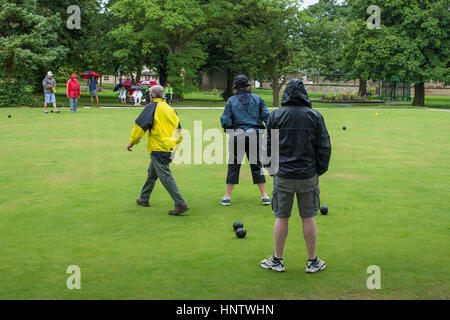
123,94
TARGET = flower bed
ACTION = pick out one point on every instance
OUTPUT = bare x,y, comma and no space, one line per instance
348,98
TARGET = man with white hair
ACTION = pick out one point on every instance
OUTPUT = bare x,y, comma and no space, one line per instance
161,123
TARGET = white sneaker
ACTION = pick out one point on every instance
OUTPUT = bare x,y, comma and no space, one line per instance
225,201
272,264
313,266
265,201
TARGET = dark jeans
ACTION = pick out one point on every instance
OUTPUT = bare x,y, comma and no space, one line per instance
169,98
158,170
237,154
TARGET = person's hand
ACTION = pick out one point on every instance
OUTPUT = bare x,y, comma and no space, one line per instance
130,147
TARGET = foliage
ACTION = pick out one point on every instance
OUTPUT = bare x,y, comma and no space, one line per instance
14,93
172,28
28,40
324,34
412,43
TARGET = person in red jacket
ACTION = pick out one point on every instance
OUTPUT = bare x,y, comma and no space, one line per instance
73,92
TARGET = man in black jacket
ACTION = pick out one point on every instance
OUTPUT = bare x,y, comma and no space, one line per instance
304,155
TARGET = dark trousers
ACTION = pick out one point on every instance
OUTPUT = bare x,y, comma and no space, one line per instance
169,98
158,170
237,154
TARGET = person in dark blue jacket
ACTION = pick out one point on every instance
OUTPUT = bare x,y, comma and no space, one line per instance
245,113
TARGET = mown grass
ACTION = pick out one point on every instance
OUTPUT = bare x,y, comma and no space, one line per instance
68,190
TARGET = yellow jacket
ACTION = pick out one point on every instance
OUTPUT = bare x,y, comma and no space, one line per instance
162,125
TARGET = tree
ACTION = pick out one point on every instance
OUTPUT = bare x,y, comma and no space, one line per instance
411,44
327,37
272,43
28,40
427,24
290,41
82,45
228,52
173,27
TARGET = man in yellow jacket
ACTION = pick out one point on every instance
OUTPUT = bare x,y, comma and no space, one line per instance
163,129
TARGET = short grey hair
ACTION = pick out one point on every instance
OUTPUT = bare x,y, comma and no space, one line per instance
157,92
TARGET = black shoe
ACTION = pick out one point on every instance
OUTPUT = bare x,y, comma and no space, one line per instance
142,203
179,211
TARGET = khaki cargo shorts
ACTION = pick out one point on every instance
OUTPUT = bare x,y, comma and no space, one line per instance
308,196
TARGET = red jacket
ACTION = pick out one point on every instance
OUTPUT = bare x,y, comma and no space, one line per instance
73,87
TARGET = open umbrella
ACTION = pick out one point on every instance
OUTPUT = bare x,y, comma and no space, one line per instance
118,86
126,84
88,74
148,82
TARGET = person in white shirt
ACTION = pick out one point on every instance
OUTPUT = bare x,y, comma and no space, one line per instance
137,95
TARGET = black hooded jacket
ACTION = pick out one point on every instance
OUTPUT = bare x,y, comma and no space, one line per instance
304,143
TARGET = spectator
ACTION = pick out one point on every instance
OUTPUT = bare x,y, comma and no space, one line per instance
49,84
169,93
93,88
123,94
73,92
137,97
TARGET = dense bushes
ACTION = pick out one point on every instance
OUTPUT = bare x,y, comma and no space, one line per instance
15,93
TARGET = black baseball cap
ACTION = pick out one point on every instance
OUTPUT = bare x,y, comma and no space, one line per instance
241,81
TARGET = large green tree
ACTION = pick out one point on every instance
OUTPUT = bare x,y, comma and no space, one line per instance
172,27
412,43
28,40
325,33
290,41
273,45
229,48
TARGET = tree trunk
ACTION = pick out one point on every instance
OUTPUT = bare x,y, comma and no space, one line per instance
139,73
162,72
275,88
362,88
276,94
9,72
229,90
419,94
9,68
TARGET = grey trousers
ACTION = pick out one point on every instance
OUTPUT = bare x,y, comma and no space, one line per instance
73,104
158,170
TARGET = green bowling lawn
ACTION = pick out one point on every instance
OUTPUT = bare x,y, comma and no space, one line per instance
67,197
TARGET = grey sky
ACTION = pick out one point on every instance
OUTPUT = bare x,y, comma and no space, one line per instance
307,3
